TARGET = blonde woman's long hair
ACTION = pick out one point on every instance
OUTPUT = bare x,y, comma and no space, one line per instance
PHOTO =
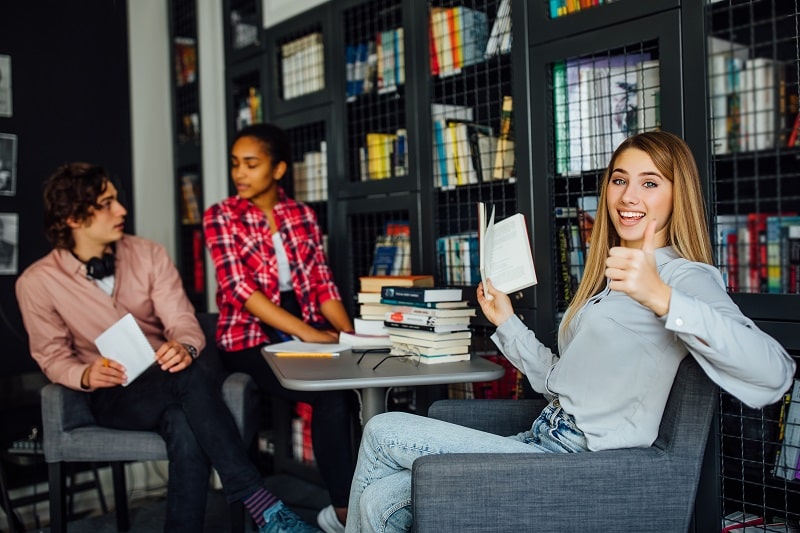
687,230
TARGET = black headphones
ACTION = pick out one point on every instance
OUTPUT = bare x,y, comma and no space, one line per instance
100,267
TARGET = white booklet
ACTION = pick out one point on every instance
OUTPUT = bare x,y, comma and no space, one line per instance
125,343
505,251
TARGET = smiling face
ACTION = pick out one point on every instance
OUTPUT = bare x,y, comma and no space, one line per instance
636,194
253,172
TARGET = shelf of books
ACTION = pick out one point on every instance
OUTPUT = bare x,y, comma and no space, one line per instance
594,90
187,150
246,93
309,177
244,33
752,65
557,19
299,61
471,127
380,242
374,91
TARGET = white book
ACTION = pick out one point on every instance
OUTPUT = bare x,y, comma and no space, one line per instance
125,343
505,252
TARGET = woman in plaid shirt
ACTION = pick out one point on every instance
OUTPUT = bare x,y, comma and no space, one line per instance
274,283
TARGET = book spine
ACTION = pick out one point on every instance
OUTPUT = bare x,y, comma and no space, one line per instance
418,304
422,327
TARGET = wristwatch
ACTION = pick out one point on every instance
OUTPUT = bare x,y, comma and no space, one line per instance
191,349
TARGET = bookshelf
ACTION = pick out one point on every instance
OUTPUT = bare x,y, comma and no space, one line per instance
752,94
657,44
187,172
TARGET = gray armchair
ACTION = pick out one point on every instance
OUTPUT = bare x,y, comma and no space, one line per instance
70,434
629,490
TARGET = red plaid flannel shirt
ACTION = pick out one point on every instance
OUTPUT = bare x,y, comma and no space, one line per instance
238,237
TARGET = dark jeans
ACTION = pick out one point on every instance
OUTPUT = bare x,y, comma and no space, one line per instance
187,409
330,421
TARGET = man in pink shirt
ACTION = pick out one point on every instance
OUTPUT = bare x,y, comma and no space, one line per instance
94,276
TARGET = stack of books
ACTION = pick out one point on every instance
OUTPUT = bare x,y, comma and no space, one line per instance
430,322
370,332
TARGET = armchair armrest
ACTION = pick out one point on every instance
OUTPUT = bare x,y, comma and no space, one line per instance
550,492
501,417
241,395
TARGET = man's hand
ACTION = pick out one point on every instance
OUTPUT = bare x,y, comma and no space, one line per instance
173,356
103,374
634,272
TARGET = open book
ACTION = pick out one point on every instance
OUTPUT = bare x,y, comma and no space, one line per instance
505,252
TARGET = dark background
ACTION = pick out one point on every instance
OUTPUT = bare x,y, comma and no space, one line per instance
69,63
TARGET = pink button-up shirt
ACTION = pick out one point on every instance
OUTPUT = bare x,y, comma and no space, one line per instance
64,311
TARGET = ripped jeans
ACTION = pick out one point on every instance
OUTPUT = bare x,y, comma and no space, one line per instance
380,496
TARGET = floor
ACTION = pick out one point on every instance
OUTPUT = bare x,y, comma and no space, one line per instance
147,515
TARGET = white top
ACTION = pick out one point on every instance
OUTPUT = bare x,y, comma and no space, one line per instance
284,273
619,359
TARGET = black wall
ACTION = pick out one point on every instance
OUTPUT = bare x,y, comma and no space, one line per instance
70,103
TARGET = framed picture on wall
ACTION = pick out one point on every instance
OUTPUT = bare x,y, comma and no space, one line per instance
8,164
5,86
9,239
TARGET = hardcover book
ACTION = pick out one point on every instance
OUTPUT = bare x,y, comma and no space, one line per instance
444,328
376,283
421,294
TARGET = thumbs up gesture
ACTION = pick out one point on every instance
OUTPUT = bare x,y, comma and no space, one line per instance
633,271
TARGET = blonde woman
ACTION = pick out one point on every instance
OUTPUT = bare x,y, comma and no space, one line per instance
649,297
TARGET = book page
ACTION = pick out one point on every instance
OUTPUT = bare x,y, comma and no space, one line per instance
505,252
125,343
299,347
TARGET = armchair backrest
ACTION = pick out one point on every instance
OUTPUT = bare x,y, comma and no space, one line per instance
690,408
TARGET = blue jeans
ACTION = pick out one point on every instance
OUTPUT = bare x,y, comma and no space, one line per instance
187,409
380,496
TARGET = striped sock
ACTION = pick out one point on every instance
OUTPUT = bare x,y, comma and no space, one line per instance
258,502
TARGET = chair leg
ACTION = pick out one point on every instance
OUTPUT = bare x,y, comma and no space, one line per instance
58,509
237,517
14,523
120,496
100,495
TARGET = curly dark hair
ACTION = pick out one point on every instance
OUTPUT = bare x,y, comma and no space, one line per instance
71,192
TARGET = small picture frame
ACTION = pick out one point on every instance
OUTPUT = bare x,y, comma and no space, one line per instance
9,239
6,109
8,164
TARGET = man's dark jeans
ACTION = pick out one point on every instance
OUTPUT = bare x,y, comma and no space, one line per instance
187,409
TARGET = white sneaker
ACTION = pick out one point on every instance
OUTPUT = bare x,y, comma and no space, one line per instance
328,521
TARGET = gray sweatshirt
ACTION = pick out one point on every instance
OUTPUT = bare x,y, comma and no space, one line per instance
618,359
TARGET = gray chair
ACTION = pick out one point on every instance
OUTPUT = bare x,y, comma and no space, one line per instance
71,434
628,490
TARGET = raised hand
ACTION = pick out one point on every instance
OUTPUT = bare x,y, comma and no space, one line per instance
495,305
633,271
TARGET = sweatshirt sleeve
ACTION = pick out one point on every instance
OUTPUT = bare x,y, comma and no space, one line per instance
730,348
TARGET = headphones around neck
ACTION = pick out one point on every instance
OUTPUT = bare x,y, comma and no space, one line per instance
100,267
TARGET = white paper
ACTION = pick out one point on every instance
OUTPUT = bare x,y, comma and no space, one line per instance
125,343
306,347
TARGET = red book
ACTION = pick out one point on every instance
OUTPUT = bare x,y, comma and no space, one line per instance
432,49
793,136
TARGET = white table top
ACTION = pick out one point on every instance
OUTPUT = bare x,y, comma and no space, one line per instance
342,372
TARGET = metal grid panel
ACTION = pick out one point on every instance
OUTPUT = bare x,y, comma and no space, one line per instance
308,181
597,100
244,24
187,96
248,101
753,87
753,64
301,60
469,85
376,126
